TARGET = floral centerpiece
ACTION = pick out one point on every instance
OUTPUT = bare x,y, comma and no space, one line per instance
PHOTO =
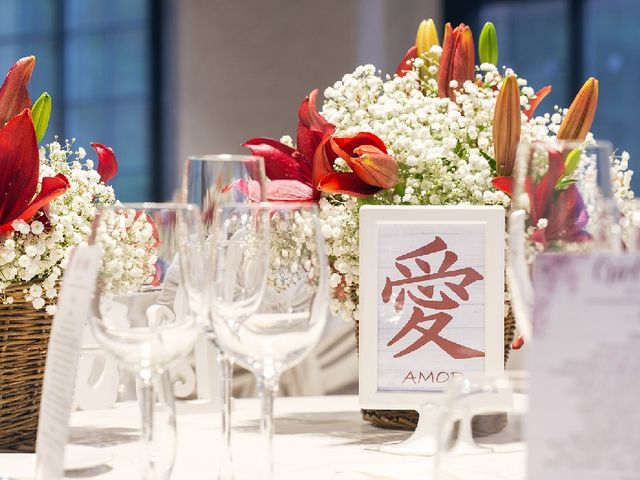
440,131
49,196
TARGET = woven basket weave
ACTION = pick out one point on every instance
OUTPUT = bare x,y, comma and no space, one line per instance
24,336
408,419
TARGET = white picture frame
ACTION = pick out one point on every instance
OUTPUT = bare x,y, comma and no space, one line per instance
477,236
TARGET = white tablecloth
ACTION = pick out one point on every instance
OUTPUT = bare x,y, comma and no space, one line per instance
316,438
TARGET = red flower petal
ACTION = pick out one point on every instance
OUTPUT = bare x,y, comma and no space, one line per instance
345,146
323,159
404,65
374,167
347,183
14,96
312,128
20,163
107,163
280,162
288,191
52,187
533,104
504,184
308,113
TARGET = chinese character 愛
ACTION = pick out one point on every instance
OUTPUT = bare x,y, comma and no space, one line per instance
421,289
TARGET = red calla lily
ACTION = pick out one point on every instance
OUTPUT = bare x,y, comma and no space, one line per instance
107,163
19,172
14,96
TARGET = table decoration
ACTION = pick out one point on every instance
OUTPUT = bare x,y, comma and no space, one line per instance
48,197
440,131
424,264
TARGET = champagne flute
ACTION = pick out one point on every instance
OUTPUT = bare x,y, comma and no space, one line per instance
562,202
210,181
148,291
292,313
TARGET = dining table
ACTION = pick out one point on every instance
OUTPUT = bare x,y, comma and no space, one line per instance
316,438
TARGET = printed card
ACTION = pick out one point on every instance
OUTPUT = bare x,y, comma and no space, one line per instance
584,368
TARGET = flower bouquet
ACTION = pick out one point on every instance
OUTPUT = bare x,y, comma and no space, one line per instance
440,131
48,197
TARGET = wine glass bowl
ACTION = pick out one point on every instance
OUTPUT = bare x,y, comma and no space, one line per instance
291,316
142,312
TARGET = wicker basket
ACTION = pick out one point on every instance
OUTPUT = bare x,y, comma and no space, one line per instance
408,419
24,336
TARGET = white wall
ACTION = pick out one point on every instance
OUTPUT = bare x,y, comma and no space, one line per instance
236,69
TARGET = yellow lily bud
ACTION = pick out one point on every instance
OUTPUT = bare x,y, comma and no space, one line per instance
427,36
577,123
506,126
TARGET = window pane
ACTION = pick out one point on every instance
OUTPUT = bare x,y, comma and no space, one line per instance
611,37
129,59
86,66
131,144
533,40
129,10
9,24
85,14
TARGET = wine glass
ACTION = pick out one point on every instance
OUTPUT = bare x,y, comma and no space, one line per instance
292,313
210,181
149,289
562,201
483,398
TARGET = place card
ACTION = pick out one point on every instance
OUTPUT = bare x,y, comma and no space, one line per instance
584,368
62,359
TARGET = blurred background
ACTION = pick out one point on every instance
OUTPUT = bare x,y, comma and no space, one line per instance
160,79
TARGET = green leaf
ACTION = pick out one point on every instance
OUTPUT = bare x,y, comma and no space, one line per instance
41,112
572,161
488,44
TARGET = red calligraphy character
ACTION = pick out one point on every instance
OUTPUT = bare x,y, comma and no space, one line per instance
421,289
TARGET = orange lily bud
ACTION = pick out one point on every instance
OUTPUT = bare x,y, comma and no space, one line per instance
426,37
577,122
457,61
506,126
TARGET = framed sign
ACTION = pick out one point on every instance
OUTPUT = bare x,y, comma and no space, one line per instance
431,299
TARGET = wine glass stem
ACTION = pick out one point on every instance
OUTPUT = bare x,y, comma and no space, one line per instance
267,389
226,377
147,405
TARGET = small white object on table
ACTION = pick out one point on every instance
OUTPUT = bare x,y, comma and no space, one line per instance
316,438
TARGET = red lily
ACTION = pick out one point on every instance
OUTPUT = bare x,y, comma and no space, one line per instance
372,168
300,174
107,163
19,174
14,96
